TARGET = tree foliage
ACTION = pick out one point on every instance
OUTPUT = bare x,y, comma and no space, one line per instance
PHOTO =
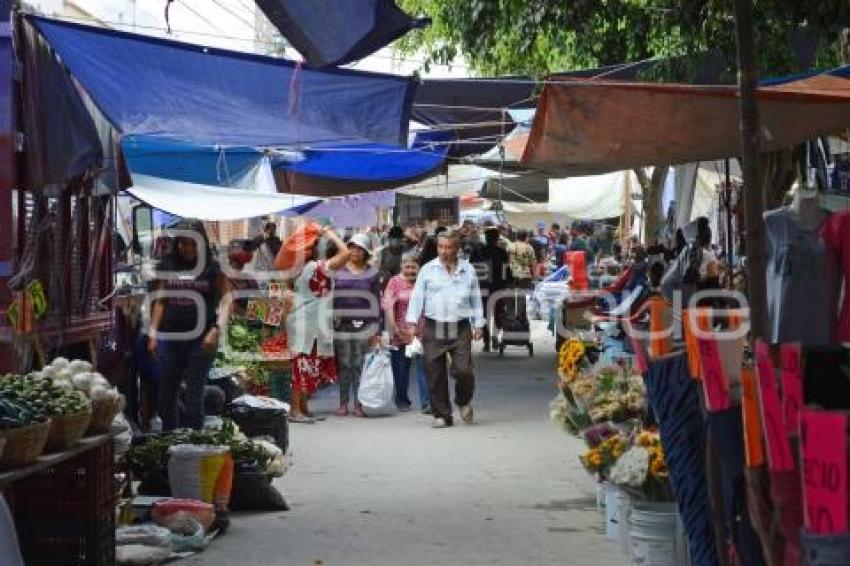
536,37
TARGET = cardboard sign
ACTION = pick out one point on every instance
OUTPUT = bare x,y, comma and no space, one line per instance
275,290
252,310
792,387
778,449
753,445
265,311
714,381
824,444
641,358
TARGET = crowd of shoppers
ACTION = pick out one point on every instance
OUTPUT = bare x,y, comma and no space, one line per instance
424,295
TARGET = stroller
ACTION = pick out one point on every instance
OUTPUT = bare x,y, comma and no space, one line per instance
512,322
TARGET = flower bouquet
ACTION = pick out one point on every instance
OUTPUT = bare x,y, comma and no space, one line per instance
572,359
573,418
605,446
642,471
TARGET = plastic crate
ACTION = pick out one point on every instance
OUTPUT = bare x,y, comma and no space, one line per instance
280,382
66,514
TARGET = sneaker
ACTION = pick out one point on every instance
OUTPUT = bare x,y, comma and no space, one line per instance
466,413
440,422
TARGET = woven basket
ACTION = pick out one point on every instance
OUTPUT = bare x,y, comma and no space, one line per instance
67,430
23,445
102,414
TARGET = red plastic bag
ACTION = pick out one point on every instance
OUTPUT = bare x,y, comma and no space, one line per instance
577,262
297,248
164,513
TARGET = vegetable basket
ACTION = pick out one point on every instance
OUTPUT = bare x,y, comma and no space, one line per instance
23,445
67,430
103,412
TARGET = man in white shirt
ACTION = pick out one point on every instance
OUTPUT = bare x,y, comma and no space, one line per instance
447,297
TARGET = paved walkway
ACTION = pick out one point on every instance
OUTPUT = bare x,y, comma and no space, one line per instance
508,490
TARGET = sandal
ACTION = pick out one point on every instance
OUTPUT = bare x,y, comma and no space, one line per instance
358,411
303,419
343,410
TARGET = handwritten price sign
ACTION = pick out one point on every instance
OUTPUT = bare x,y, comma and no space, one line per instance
792,387
752,419
714,380
778,450
824,439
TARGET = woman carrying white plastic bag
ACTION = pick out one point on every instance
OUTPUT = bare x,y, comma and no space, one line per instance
376,392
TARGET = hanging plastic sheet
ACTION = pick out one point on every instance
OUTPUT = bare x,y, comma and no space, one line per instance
597,126
62,141
336,32
190,200
474,109
594,197
157,87
349,169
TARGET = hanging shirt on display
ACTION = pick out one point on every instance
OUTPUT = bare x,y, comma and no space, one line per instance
802,281
836,233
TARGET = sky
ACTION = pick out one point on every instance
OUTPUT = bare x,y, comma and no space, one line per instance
227,24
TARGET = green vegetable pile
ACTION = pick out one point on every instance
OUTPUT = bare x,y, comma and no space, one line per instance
152,455
242,338
27,400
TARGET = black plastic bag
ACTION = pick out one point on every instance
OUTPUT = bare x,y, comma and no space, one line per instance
253,490
255,422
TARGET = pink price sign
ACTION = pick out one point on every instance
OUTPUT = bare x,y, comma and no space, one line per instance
824,444
714,380
778,449
641,358
792,386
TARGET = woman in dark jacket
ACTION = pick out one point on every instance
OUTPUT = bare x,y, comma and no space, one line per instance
187,315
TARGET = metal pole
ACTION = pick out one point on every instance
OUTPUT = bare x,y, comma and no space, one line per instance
729,239
753,201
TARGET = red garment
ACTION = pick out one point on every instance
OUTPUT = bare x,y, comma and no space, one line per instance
836,233
311,370
397,295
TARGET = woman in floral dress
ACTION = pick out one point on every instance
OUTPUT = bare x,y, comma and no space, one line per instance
310,324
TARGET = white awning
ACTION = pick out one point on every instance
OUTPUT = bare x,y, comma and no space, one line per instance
205,202
593,197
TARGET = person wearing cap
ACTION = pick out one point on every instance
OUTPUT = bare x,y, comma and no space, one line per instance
447,295
357,314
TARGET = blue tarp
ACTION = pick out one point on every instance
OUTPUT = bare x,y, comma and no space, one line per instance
374,163
336,32
207,116
157,87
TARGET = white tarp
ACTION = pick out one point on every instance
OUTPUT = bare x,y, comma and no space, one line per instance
594,197
204,202
460,180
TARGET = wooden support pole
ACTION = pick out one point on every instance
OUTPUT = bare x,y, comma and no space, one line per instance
753,199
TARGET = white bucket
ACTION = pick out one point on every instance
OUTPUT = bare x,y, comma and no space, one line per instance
617,507
612,513
600,496
656,535
624,511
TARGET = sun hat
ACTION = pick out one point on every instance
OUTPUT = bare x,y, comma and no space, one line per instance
361,241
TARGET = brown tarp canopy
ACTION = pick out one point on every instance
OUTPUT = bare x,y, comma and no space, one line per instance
590,127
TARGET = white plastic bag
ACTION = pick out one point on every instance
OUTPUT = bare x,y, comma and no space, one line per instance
376,392
148,534
414,349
